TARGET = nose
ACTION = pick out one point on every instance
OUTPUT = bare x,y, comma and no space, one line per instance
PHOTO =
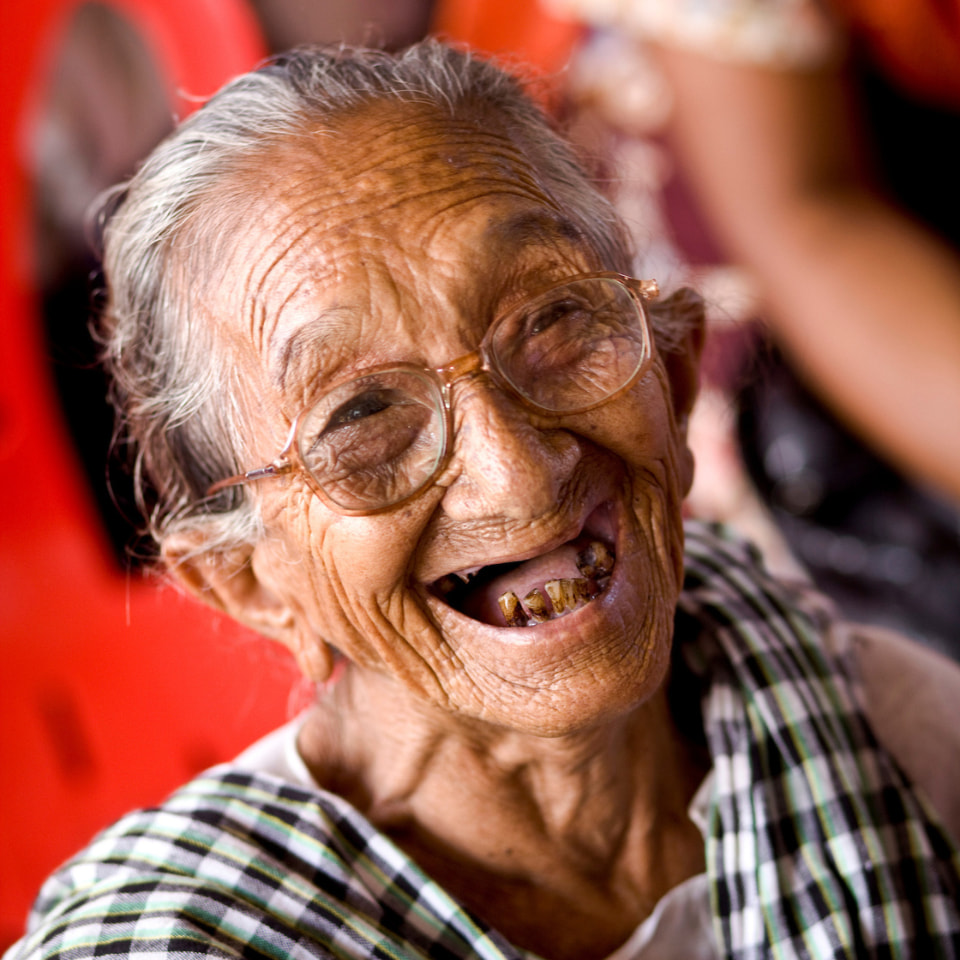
503,465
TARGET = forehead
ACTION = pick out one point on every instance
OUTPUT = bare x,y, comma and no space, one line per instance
394,155
394,173
396,201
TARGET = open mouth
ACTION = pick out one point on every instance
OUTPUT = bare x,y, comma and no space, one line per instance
533,591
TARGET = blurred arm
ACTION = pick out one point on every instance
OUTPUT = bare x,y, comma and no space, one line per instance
865,302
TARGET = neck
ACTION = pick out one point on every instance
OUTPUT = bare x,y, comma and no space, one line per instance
587,830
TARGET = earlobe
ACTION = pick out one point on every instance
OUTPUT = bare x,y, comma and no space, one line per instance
314,658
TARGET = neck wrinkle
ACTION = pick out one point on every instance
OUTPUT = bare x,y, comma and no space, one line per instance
603,803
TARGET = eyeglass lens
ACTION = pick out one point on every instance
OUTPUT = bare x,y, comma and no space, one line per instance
376,440
572,347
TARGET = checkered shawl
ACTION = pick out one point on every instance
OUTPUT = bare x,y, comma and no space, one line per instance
816,846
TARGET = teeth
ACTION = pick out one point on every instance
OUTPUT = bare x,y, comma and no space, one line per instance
564,595
511,610
595,560
595,563
569,593
581,589
554,590
536,606
605,558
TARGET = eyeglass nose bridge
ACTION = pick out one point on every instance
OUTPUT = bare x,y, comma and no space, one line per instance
468,365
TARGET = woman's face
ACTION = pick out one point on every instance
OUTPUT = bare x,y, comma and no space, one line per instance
400,238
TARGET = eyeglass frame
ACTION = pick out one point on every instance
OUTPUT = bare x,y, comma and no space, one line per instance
443,378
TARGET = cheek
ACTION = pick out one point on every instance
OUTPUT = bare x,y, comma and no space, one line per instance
639,427
641,430
351,575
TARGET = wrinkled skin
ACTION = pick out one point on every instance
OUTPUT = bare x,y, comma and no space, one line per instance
400,237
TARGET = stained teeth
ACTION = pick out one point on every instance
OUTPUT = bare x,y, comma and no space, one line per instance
595,560
536,606
595,563
564,595
605,558
554,590
511,609
569,593
581,588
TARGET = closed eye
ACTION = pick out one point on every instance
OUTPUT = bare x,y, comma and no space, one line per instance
551,314
357,408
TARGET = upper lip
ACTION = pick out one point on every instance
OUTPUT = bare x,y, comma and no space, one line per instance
566,530
570,533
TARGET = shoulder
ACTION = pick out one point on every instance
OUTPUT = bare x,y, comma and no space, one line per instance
243,863
908,693
230,862
911,696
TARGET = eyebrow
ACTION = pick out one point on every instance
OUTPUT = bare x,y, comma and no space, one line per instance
535,227
315,338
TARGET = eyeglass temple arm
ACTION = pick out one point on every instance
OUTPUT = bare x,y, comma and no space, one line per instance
275,469
283,464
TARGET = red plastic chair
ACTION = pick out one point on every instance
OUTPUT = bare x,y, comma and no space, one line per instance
112,691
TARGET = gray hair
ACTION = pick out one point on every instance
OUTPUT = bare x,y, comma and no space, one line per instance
174,401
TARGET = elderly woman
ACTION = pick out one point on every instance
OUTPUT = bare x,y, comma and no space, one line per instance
400,409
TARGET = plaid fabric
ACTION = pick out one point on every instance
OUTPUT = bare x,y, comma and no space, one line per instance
242,865
816,846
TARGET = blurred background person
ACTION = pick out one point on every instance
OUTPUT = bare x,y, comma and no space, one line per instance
821,143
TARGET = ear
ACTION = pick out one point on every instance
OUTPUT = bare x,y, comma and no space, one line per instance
683,372
236,581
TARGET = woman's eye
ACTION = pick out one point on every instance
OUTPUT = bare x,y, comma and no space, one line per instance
562,311
357,408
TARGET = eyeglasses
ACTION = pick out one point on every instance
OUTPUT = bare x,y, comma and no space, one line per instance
376,440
